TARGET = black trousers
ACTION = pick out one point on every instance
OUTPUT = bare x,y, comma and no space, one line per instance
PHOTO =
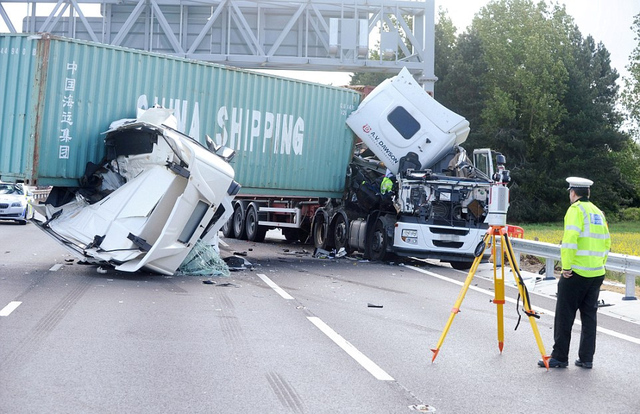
576,293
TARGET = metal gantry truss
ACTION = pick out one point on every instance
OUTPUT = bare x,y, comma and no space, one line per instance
323,35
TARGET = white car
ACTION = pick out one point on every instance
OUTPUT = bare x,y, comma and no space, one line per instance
15,203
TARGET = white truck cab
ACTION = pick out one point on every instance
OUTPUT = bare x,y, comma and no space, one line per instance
441,198
156,194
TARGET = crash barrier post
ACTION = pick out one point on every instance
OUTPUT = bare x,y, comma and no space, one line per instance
621,263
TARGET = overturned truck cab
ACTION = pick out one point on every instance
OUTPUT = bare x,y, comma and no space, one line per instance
145,205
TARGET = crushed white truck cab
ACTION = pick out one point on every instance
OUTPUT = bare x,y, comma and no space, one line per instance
145,205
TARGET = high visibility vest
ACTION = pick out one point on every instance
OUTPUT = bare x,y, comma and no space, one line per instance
386,185
586,240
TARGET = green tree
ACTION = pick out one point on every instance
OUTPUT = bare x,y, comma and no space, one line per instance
631,94
535,90
444,50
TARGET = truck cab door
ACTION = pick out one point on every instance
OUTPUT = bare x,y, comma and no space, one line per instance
482,161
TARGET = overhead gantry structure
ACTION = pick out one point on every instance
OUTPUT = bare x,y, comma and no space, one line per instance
314,35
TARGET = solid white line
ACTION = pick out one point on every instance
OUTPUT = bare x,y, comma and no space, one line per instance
353,352
275,287
542,310
6,311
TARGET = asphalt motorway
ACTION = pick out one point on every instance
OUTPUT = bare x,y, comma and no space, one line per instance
296,334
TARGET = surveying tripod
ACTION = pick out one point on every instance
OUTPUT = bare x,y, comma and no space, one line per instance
497,217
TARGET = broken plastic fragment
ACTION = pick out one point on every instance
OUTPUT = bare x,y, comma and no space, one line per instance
423,408
236,263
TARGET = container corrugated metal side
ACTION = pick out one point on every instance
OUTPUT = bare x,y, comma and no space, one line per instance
18,85
290,136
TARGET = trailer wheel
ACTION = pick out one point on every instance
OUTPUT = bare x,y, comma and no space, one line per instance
239,230
341,232
320,231
254,231
377,243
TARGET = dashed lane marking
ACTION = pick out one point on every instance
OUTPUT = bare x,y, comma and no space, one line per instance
346,346
6,311
275,287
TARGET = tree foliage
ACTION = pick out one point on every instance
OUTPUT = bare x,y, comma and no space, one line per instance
535,90
631,94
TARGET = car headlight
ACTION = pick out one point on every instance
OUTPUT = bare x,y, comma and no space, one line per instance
16,204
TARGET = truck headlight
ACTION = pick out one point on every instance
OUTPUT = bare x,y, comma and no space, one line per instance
410,236
409,233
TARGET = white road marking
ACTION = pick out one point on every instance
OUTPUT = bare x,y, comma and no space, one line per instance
353,352
542,310
56,267
275,287
360,358
6,311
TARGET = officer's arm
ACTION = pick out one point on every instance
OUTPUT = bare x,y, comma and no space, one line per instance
572,228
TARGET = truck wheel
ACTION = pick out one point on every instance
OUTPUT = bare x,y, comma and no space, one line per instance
320,232
461,265
254,231
377,243
227,228
239,230
341,232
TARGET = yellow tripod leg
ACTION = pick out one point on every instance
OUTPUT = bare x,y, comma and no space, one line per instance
525,301
456,306
498,282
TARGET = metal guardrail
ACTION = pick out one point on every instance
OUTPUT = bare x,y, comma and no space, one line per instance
621,263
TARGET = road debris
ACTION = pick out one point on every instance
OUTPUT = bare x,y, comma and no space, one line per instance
203,260
236,263
423,408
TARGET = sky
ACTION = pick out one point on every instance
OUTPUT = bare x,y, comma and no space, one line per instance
608,21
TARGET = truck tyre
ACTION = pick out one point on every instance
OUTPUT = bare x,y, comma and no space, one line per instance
239,229
254,231
461,265
320,230
227,228
341,232
377,243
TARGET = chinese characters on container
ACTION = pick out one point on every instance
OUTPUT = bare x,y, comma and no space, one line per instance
66,118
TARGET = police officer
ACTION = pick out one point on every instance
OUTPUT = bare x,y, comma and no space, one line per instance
585,246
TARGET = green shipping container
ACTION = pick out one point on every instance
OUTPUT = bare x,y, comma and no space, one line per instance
59,95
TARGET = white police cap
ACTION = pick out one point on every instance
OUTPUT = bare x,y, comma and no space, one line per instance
578,182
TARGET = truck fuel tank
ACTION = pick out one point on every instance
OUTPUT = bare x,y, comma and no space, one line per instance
399,117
